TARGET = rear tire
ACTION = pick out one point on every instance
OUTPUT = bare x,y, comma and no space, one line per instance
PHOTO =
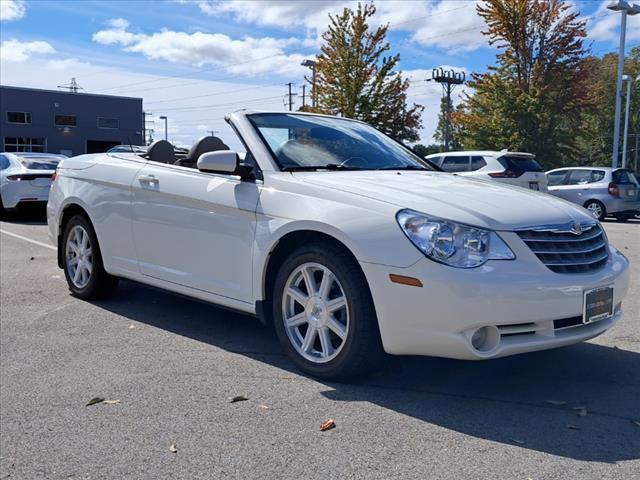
330,330
82,261
596,208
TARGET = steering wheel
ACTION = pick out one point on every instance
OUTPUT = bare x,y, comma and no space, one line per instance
359,161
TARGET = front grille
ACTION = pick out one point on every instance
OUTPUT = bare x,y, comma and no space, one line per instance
569,248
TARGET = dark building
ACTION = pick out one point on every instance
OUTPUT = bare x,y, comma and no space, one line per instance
71,123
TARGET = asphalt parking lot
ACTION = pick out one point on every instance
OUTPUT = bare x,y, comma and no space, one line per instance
174,363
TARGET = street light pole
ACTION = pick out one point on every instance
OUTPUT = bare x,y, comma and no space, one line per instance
165,127
627,79
312,64
623,7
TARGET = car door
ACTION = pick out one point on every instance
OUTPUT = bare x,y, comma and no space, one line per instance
195,229
557,183
578,185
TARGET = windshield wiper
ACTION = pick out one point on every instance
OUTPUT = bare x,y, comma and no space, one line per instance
311,168
405,167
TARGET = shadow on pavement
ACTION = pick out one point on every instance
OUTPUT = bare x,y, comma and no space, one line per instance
500,400
27,215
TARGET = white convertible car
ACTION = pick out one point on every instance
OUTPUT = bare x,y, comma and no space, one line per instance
343,239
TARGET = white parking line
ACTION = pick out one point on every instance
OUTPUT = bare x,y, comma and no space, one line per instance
30,240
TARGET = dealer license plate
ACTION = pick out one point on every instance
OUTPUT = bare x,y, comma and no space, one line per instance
598,304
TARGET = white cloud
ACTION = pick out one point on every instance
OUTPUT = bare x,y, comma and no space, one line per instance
16,51
604,25
449,25
247,56
12,10
120,23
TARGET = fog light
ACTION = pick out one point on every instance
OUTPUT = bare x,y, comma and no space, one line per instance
485,339
479,338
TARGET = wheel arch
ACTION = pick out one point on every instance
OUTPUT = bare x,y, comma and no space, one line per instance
279,253
67,212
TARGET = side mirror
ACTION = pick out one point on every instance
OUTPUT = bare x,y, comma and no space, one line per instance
222,161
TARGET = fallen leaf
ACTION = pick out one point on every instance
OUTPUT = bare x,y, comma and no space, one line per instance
238,398
328,425
515,440
111,402
582,411
573,427
173,448
95,400
636,423
555,402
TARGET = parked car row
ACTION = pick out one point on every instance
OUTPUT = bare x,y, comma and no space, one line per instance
344,240
603,191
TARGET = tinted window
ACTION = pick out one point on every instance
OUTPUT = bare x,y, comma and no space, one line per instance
435,160
477,163
522,164
24,144
579,177
18,117
65,120
104,122
455,164
309,142
622,176
597,175
4,162
556,178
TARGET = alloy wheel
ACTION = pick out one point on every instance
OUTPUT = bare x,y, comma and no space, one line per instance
79,256
315,312
595,209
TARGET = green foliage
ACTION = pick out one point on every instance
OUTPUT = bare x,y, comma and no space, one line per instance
537,96
424,150
454,128
356,77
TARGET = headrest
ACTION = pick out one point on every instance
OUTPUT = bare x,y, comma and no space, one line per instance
161,151
204,145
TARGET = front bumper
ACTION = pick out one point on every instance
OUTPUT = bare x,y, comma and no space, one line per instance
521,298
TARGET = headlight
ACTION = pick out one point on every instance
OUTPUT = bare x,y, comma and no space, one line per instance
452,243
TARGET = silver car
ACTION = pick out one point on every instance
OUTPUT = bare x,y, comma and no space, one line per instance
603,191
25,177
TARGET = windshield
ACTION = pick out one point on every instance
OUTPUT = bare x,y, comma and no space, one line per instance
40,163
308,142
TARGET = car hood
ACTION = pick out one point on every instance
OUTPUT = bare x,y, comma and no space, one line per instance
462,199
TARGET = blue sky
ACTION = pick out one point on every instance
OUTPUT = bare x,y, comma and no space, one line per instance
196,60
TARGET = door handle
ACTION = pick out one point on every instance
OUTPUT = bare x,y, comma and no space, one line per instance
149,180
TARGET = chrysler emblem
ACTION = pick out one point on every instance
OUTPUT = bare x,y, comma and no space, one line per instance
576,228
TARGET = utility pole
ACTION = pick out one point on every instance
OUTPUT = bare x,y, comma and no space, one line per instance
304,96
449,79
144,127
626,78
290,95
165,127
213,132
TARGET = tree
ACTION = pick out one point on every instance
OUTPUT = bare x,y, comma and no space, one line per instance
535,99
454,129
424,150
356,78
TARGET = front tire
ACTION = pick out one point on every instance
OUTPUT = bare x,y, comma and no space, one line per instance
597,209
82,261
324,315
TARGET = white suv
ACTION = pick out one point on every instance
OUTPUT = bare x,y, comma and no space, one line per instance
514,168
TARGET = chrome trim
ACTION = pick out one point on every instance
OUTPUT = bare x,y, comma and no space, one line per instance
562,228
